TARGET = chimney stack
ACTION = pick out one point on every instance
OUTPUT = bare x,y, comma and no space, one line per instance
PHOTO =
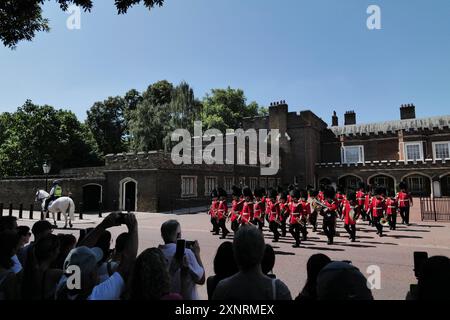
350,118
334,120
407,111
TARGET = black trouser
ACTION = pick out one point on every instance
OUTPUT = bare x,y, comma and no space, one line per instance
259,223
404,213
294,230
235,225
351,229
215,225
273,226
304,230
283,227
47,202
329,227
378,225
221,224
393,220
313,220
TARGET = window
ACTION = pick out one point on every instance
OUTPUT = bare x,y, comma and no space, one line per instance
414,151
416,184
441,150
210,184
242,181
272,183
352,154
188,186
229,182
253,183
380,181
263,183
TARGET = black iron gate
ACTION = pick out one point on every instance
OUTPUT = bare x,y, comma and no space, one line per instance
435,209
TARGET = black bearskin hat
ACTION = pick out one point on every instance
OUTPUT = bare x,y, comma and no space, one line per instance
329,192
283,195
258,192
247,192
351,196
314,193
291,187
303,194
222,192
361,185
214,194
380,191
295,193
272,194
403,185
237,192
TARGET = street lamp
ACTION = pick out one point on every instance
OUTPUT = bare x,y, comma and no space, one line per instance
46,167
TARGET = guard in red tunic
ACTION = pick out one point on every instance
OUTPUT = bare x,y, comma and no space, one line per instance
315,209
295,210
213,211
236,208
258,208
361,199
367,202
378,209
222,212
284,212
273,212
351,212
329,214
247,209
305,213
339,200
391,212
405,202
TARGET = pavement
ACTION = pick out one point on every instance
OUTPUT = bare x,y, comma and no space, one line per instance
392,254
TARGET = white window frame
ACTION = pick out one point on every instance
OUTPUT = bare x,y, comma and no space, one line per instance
242,181
228,188
422,182
208,190
360,154
414,143
253,183
435,151
189,195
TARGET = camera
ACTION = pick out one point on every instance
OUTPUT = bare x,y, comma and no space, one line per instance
122,217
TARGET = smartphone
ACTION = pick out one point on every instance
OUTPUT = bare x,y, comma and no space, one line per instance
419,259
181,246
122,217
190,244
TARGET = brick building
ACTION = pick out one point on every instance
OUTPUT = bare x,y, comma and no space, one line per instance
311,153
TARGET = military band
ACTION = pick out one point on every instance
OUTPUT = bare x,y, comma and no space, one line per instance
297,210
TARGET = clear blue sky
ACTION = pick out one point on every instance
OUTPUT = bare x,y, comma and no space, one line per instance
316,55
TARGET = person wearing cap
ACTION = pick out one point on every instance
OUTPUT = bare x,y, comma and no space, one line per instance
341,281
55,193
273,212
391,211
236,207
378,209
40,229
350,212
329,214
86,257
295,209
284,211
405,202
247,209
258,208
213,211
222,212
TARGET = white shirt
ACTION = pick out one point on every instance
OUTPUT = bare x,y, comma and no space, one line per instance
197,271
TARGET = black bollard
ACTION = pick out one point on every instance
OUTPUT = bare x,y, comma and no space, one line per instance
81,211
100,208
31,212
59,216
10,209
48,215
21,211
42,215
1,209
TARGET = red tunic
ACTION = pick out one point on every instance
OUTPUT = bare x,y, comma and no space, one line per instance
321,196
296,211
273,210
404,199
378,206
391,206
330,214
367,203
247,212
213,209
258,210
284,210
360,198
222,210
236,207
348,210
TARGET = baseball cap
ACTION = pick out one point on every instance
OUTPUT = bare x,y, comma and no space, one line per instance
41,226
342,281
85,258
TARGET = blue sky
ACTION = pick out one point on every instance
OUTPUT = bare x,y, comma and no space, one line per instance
316,55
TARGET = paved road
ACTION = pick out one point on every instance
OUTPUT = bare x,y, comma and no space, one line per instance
392,253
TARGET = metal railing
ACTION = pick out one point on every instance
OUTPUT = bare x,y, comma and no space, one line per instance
435,209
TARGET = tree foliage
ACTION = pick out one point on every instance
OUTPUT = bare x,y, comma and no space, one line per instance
22,19
33,133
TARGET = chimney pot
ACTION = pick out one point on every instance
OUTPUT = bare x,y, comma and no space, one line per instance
407,111
350,118
334,120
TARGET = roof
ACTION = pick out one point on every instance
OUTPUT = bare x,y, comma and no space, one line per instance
393,126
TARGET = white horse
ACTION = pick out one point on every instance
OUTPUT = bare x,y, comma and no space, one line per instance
64,205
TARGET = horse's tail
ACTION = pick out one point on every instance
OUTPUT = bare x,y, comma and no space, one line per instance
71,209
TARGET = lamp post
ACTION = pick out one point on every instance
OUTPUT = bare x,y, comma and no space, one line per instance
46,167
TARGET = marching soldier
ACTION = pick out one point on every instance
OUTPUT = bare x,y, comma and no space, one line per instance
305,212
247,209
236,207
391,212
313,199
329,214
351,212
361,199
273,212
222,212
284,212
295,209
367,202
258,209
378,208
405,201
339,200
213,211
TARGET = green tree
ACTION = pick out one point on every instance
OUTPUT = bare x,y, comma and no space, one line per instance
33,132
226,108
107,123
22,19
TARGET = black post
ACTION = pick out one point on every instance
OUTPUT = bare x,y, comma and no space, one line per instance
42,215
21,211
31,211
1,209
10,209
100,208
59,216
48,215
81,211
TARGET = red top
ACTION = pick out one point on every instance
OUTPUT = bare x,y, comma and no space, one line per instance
349,209
284,210
378,206
367,202
222,210
247,212
330,214
296,211
321,196
236,207
273,210
213,209
360,198
258,210
391,206
404,199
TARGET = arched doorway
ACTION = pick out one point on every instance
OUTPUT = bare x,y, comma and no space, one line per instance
384,181
418,184
128,198
92,196
324,182
445,185
349,182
